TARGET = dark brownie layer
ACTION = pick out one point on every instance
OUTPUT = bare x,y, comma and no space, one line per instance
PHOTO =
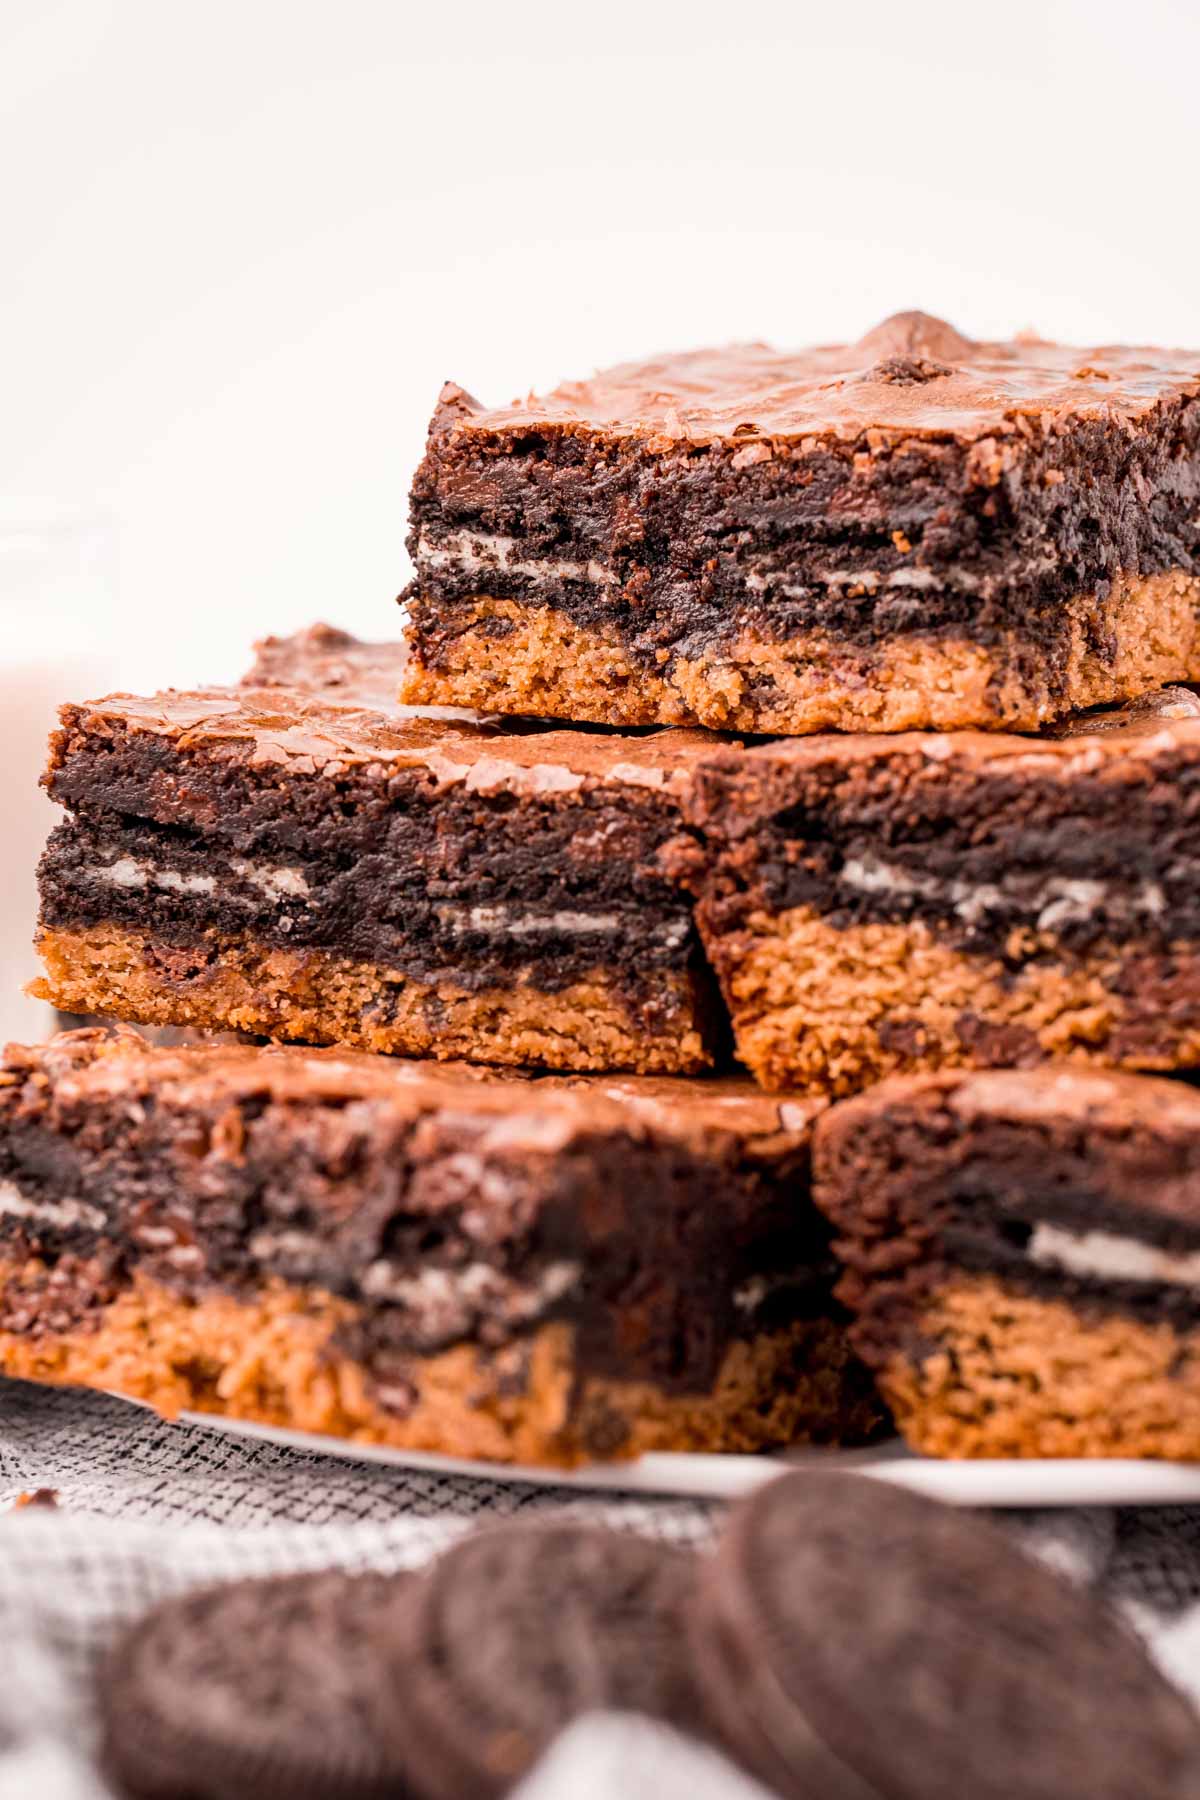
435,885
1083,838
915,482
1078,1187
303,817
449,1210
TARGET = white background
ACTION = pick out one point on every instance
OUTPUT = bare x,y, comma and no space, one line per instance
243,242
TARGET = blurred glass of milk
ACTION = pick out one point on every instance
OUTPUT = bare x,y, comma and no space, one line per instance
58,641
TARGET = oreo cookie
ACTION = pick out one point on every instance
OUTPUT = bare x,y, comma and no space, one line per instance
518,1630
264,1688
856,1641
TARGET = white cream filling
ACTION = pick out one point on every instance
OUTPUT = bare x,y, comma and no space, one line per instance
473,552
65,1214
1106,1255
520,924
870,579
474,1283
1057,900
563,923
280,882
266,1244
277,881
133,872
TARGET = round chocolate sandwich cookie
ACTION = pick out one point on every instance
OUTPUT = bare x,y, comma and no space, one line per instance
516,1631
257,1688
856,1641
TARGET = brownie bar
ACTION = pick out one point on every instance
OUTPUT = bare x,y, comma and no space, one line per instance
893,904
528,1270
294,862
1022,1254
912,531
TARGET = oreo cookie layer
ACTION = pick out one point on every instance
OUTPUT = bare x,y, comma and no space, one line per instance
525,1269
1022,1254
890,904
306,862
913,530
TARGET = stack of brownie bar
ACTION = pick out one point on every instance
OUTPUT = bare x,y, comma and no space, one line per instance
821,712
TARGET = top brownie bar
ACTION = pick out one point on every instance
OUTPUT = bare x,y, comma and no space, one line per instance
913,531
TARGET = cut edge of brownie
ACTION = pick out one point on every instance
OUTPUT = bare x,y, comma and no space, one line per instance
242,848
915,530
880,904
525,1270
1021,1251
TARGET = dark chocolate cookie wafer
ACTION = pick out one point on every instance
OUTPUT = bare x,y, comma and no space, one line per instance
516,1631
258,1687
855,1641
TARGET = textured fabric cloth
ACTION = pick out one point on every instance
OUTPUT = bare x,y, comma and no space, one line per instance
146,1509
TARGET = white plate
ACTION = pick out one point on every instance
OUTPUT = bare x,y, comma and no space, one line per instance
995,1483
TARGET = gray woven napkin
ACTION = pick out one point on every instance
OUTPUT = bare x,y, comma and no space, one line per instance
145,1509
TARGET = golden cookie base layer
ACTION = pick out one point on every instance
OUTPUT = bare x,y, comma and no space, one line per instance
1016,1375
834,1009
540,662
313,997
273,1360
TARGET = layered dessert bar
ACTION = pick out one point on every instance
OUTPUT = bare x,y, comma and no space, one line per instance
292,861
912,531
888,904
1022,1254
516,1269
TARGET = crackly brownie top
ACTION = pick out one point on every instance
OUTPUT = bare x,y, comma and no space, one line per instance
98,1067
1104,1099
913,375
1158,722
336,719
1139,1135
324,660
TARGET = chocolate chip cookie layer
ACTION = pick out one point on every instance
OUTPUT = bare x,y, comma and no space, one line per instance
894,903
911,531
537,1271
1022,1254
291,861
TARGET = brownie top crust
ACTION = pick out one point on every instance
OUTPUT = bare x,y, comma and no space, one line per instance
332,729
1096,1149
325,660
1166,720
94,1067
913,376
1108,1100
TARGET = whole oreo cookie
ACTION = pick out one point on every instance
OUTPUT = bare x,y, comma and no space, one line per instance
516,1631
856,1641
259,1688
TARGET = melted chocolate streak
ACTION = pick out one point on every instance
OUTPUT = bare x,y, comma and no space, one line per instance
680,535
